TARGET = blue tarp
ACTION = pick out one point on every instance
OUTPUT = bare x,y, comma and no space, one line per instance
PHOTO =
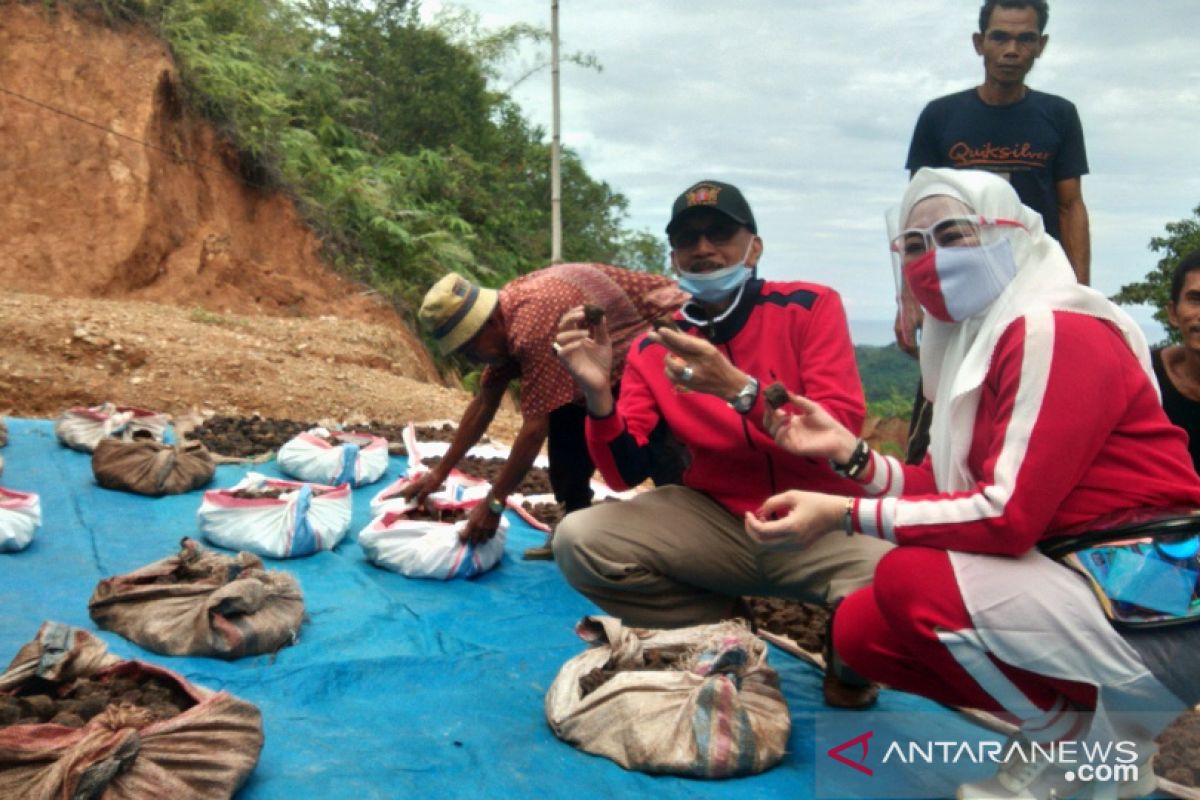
396,687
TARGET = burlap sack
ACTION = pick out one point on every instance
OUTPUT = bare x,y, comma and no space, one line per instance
715,711
3,433
207,751
150,468
202,603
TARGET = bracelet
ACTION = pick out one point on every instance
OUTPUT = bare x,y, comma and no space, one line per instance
848,517
858,462
494,504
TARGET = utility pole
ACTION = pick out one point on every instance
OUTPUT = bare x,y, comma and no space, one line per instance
555,145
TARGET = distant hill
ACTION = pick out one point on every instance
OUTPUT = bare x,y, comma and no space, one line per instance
888,375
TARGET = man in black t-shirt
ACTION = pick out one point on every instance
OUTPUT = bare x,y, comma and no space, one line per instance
1033,139
1177,367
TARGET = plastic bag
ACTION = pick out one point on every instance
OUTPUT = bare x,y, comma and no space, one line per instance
273,518
421,548
354,458
1144,573
82,427
699,701
20,516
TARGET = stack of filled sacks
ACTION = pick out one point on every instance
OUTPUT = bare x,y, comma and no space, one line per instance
274,518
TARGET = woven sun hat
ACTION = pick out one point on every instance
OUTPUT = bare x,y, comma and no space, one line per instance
454,310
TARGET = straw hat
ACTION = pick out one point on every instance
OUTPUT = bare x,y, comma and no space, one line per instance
454,310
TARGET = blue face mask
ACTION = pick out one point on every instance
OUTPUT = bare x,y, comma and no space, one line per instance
715,286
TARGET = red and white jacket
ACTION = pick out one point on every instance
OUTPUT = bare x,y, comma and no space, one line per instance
791,332
1069,429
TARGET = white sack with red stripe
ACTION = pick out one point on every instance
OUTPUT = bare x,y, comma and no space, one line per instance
353,458
303,519
420,548
20,516
699,701
459,489
82,427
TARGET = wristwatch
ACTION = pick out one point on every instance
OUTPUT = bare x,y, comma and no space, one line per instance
495,505
744,401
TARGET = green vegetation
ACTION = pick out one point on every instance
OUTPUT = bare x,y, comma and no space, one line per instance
889,379
389,134
1182,237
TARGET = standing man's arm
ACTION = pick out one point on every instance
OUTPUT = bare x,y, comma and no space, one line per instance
922,152
1073,227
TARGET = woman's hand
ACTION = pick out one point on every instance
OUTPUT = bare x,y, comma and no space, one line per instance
804,517
813,433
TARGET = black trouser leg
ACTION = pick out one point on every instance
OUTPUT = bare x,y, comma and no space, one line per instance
571,466
918,427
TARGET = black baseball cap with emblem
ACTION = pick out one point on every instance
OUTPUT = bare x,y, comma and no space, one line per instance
716,195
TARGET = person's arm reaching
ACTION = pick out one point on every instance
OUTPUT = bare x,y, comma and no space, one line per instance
475,420
1074,228
483,521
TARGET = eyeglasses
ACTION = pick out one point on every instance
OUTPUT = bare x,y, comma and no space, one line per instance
719,231
1025,40
948,232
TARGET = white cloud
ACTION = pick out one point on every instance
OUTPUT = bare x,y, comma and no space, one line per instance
808,107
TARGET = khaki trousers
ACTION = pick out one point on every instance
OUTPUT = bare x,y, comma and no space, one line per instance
672,557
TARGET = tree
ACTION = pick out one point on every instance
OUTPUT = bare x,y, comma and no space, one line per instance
1182,237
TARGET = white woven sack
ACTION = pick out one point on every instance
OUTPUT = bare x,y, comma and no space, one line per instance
306,519
82,427
20,516
360,459
458,489
426,549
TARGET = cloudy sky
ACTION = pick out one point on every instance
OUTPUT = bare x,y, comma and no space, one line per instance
808,105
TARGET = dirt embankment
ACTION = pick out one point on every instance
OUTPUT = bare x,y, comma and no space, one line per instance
138,266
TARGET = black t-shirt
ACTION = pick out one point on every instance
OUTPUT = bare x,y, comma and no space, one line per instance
1035,142
1181,410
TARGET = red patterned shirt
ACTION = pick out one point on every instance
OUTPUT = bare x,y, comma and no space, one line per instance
533,304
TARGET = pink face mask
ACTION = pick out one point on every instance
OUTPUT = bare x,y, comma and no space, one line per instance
954,283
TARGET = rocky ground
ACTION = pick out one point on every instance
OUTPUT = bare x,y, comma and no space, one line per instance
60,352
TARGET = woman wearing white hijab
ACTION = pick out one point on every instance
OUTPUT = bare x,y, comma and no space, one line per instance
1046,422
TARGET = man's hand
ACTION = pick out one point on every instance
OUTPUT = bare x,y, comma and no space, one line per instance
806,517
423,485
813,433
585,350
710,371
481,525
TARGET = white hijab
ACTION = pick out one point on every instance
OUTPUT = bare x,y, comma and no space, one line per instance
955,355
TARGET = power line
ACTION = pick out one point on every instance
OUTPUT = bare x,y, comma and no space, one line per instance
173,155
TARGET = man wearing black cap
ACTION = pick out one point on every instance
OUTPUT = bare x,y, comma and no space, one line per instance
678,555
